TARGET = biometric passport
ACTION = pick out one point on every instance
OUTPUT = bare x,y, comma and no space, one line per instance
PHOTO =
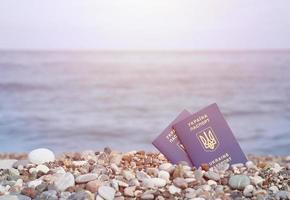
207,138
169,145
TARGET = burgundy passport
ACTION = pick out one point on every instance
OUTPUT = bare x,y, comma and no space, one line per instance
169,144
207,138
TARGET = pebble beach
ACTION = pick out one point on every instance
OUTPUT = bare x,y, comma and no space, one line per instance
113,175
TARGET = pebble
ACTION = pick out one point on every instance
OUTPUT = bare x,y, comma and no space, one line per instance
34,183
64,181
94,185
239,181
173,189
40,156
146,196
14,197
81,195
248,191
164,175
285,195
250,165
128,174
49,195
42,168
257,180
198,174
165,166
7,164
212,175
84,178
274,189
277,168
211,182
154,182
30,192
129,191
106,192
180,182
141,175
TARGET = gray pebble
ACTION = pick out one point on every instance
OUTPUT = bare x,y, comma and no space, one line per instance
239,181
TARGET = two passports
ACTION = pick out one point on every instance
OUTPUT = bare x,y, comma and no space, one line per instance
199,138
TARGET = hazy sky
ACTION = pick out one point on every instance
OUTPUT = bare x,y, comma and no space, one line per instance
144,24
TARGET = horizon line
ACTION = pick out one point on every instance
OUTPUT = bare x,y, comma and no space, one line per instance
142,50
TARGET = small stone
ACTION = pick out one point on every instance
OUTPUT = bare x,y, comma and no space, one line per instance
128,175
40,156
64,181
257,180
84,178
106,192
42,168
277,168
81,195
206,188
93,186
180,182
34,183
248,191
212,175
115,168
129,191
14,197
239,181
30,192
154,182
211,183
151,171
178,171
146,196
164,175
141,175
116,158
173,189
274,189
49,195
7,164
79,163
121,183
198,174
204,166
250,165
165,166
23,163
282,195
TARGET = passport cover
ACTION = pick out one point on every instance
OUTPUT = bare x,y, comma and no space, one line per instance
207,138
169,144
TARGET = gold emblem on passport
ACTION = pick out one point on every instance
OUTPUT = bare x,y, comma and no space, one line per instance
208,139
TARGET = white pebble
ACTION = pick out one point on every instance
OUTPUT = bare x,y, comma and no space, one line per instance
34,183
173,189
165,166
164,175
248,190
274,189
42,168
106,192
64,181
40,156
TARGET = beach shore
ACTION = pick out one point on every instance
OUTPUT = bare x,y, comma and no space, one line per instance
109,174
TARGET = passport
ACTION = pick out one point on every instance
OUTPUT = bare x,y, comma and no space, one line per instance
169,144
208,138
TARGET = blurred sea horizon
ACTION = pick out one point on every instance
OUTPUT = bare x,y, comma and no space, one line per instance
79,100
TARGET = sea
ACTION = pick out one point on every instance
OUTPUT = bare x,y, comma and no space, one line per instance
88,100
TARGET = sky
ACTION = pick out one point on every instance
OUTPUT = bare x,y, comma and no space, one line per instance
145,24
